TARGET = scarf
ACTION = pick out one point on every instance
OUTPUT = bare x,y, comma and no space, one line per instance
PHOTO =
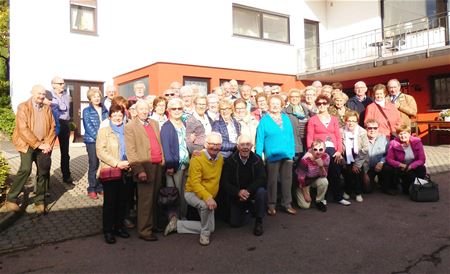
351,144
381,103
119,131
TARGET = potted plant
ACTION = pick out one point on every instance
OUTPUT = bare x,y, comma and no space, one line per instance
72,128
445,115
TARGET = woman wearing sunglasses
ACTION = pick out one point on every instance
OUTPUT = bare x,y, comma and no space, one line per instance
325,127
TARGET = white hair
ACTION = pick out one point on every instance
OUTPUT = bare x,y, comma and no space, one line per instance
174,101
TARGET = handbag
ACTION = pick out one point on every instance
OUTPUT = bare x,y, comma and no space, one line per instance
168,196
108,174
424,190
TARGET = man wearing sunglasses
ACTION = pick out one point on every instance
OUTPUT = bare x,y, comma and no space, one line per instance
378,145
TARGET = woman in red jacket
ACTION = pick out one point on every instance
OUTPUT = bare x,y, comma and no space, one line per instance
383,111
325,127
407,157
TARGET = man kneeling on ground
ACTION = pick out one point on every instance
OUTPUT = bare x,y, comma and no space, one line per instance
244,181
202,186
312,172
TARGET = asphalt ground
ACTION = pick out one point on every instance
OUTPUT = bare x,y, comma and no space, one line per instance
384,234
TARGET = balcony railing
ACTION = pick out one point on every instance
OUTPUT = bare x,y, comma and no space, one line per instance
408,37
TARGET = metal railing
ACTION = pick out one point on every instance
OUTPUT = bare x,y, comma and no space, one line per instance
408,37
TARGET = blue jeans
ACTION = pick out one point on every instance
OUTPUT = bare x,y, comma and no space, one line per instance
94,184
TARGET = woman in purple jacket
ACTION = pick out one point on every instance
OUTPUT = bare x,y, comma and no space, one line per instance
407,157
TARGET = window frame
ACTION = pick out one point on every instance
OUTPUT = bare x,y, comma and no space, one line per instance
261,23
122,88
199,79
78,4
433,78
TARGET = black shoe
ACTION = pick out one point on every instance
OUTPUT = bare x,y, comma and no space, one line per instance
321,206
258,229
68,181
109,238
150,238
389,192
122,233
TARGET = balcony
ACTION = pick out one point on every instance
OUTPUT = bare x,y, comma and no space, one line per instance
406,44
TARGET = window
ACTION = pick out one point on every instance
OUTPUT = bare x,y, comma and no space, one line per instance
201,83
440,91
126,89
312,45
83,16
240,82
260,24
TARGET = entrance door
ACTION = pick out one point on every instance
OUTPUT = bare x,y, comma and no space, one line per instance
78,92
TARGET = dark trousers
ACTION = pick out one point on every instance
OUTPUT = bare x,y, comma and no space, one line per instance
113,205
334,176
385,178
63,137
93,184
407,177
353,181
43,163
131,195
240,211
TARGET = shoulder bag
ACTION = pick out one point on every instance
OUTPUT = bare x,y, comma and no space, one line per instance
168,196
108,174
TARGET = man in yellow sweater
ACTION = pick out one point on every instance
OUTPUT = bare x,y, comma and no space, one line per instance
201,188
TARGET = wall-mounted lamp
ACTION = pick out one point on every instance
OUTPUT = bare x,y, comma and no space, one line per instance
417,87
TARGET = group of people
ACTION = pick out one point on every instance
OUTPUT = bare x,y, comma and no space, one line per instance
230,150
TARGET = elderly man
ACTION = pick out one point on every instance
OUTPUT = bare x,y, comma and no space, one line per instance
144,153
234,90
187,96
107,100
139,92
175,88
213,106
246,93
201,189
61,105
34,137
227,89
244,180
318,86
378,145
405,103
360,101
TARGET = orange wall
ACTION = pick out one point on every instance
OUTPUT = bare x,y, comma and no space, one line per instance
162,74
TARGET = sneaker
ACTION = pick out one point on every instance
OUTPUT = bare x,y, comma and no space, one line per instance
346,196
10,207
321,206
171,226
204,240
359,198
344,202
68,181
93,195
324,202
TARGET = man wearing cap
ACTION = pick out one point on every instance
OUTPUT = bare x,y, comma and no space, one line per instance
34,137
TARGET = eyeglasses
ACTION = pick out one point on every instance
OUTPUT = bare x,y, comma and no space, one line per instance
240,108
214,144
322,104
318,149
351,121
372,128
176,109
58,83
224,109
169,94
275,92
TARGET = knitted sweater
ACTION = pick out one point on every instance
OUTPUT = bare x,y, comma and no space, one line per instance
204,176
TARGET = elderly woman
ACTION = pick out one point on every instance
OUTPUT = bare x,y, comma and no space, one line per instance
338,109
110,148
275,138
325,127
247,121
261,106
92,117
309,97
383,111
176,154
355,146
159,110
198,125
228,127
299,115
407,157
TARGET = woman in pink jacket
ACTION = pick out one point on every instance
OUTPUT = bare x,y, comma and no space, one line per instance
406,156
325,127
383,111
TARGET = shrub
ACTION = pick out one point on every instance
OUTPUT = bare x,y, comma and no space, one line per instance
4,171
7,121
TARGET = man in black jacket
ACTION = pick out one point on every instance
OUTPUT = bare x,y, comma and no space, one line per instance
243,181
